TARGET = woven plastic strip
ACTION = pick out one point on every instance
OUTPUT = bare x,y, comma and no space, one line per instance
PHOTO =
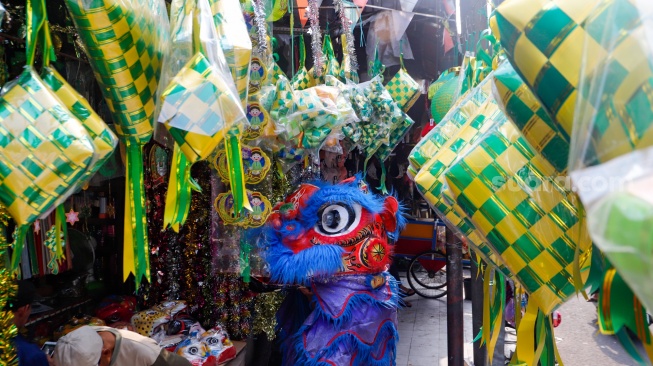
531,119
44,149
615,110
397,134
543,40
528,218
234,40
464,108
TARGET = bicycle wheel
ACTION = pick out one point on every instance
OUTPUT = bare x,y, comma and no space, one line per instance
427,276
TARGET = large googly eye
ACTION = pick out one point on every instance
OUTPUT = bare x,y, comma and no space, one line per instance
338,218
194,350
212,341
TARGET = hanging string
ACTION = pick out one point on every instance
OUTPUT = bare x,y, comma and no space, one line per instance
292,36
360,25
313,14
349,35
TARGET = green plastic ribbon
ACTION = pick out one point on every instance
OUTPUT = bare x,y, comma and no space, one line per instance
245,268
33,260
61,231
376,67
236,171
178,197
136,257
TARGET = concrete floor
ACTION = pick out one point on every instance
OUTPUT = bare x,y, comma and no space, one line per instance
423,335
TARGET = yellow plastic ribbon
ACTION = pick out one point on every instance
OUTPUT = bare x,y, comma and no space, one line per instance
525,353
236,171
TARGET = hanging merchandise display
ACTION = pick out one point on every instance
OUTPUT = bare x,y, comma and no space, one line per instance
444,92
519,103
130,93
45,149
350,270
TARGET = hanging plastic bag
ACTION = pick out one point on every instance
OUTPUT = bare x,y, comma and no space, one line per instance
402,87
526,112
44,150
302,79
614,111
125,42
235,42
386,114
359,102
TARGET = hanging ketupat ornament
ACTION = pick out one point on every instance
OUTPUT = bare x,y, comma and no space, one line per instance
403,88
303,78
200,107
104,140
44,149
125,43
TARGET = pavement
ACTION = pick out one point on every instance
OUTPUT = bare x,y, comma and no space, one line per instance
423,335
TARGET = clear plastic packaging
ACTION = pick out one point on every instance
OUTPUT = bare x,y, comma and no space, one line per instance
614,111
200,102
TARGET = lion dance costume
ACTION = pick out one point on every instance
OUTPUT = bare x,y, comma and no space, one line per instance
337,239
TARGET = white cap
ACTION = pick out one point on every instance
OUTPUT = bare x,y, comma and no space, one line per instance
81,347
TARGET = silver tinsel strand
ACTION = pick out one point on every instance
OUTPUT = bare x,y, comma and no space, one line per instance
261,26
346,27
313,14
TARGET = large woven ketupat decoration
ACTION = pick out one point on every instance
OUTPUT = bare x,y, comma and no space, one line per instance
44,149
529,219
234,40
444,92
104,140
526,112
465,107
543,40
302,79
431,182
403,88
615,109
125,42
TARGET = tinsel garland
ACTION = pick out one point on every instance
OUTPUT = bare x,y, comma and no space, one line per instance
313,14
165,245
346,28
265,313
8,290
261,27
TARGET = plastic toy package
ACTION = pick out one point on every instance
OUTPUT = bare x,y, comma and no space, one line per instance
386,114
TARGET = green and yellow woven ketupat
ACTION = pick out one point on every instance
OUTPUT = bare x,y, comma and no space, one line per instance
235,42
535,226
465,107
198,108
397,133
403,88
386,114
431,182
543,40
444,92
104,140
615,110
44,149
125,42
302,79
526,112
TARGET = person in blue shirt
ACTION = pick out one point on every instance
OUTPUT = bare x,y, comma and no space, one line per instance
29,354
